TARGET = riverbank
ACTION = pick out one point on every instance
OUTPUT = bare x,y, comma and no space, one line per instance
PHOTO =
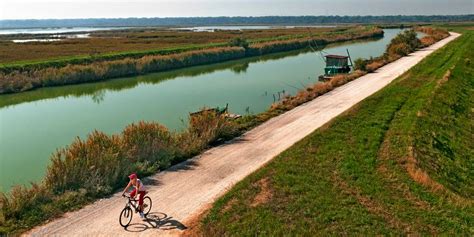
185,189
25,77
80,150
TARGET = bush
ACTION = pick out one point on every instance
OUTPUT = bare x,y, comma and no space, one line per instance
403,44
433,35
376,64
148,142
239,42
360,64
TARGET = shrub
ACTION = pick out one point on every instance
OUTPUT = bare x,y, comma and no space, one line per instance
402,45
360,64
427,40
374,65
148,142
239,42
433,35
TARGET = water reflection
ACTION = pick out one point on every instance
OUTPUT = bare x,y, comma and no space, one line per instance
90,89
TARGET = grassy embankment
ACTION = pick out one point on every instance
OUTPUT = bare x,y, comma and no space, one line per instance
22,77
95,167
399,162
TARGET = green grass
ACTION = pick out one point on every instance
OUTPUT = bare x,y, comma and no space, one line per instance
350,177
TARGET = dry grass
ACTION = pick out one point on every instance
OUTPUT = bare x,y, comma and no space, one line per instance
265,193
433,35
419,175
314,91
373,66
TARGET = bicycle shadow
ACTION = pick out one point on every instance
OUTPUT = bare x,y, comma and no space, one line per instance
156,220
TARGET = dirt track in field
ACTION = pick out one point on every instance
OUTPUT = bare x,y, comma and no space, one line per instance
185,190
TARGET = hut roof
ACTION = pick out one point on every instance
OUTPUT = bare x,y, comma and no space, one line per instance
336,56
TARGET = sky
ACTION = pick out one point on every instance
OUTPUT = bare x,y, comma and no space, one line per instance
60,9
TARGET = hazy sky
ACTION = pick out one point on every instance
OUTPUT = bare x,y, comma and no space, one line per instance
40,9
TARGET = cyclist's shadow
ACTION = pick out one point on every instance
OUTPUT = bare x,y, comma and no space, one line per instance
156,220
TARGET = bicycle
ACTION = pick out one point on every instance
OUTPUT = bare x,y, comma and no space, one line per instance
127,213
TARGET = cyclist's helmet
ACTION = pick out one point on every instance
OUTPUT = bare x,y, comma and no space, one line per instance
133,176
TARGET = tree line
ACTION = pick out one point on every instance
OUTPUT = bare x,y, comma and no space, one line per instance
203,21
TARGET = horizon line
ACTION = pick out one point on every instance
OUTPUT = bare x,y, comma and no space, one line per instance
170,17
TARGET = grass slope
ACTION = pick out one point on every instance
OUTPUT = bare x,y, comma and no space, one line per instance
399,162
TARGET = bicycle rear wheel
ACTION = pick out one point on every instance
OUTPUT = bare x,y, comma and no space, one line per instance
146,205
125,216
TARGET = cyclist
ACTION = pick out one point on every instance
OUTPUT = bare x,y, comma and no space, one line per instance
139,188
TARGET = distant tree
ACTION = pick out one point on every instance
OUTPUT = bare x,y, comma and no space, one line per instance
203,21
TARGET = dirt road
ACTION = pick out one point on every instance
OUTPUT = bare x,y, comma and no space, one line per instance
187,189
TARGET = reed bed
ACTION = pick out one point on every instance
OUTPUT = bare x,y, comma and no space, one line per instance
18,81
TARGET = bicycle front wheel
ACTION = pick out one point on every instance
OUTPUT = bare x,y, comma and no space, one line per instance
125,216
146,205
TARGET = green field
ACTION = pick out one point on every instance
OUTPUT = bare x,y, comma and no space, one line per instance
400,162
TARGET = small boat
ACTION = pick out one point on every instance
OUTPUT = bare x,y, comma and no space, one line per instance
218,110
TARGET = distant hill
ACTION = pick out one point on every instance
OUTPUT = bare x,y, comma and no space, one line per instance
203,21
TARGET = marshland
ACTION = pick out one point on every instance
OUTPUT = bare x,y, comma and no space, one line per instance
279,70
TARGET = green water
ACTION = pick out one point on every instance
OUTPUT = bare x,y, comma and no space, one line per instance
34,124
